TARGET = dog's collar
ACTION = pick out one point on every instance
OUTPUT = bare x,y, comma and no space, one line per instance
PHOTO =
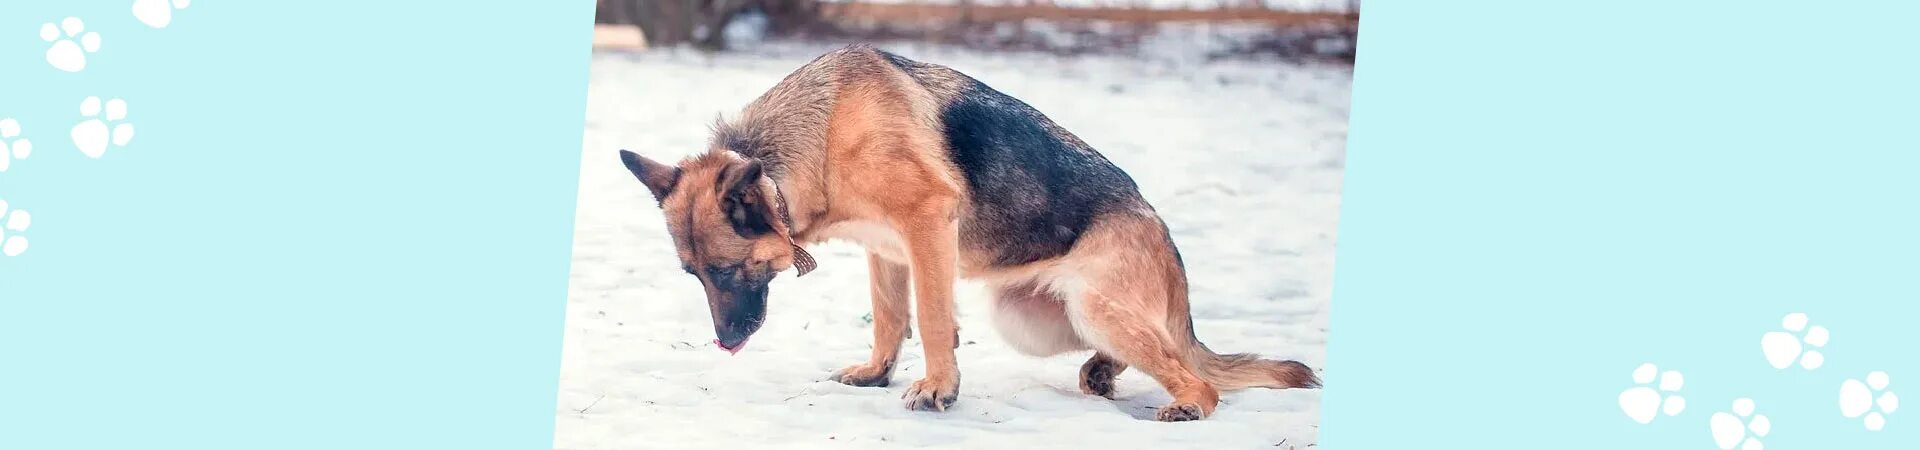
802,261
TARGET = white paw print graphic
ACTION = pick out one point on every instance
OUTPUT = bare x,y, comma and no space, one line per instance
11,148
65,54
93,134
12,222
1642,402
1782,347
1857,398
1741,429
157,13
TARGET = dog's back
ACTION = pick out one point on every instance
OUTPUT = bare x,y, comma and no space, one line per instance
1034,187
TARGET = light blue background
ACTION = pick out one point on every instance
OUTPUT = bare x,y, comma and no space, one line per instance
345,225
340,225
1543,195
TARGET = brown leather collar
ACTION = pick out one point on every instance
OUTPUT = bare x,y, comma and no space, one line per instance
802,261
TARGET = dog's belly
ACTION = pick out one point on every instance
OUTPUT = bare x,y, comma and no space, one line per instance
1034,320
878,238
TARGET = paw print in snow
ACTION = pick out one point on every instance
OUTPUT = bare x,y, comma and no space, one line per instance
1741,428
1782,347
64,53
157,13
1857,398
91,136
12,222
1642,402
11,148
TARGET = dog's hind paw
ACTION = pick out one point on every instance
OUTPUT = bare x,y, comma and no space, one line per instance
865,375
1096,376
1180,412
931,394
1099,387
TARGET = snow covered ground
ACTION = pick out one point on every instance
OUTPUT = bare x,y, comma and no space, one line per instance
1242,159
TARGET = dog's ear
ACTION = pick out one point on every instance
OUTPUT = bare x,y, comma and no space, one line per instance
753,206
748,208
658,177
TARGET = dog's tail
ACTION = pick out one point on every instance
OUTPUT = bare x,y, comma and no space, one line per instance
1237,370
1245,370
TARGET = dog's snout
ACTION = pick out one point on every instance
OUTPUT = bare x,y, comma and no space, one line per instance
738,316
733,337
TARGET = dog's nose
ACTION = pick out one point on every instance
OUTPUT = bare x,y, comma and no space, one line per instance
733,331
732,347
732,339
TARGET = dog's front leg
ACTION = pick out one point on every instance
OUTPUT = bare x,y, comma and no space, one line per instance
933,247
890,293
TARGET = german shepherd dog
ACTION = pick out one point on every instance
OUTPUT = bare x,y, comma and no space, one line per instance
939,176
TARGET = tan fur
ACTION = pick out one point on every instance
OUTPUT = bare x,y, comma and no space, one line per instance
700,209
855,148
890,291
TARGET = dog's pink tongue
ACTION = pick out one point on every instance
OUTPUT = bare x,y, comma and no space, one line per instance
730,351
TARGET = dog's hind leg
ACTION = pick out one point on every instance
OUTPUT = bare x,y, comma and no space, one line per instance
1119,283
1114,320
890,291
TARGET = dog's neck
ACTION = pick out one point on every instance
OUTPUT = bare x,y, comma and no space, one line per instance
800,197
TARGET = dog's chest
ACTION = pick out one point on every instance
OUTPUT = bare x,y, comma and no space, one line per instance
878,238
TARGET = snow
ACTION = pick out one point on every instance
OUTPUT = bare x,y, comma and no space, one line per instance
1243,159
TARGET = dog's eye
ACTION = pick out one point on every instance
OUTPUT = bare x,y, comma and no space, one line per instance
724,272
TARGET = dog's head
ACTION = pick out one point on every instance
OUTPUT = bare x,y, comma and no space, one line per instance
729,227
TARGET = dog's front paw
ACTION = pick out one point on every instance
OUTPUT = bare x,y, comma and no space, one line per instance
865,375
933,394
